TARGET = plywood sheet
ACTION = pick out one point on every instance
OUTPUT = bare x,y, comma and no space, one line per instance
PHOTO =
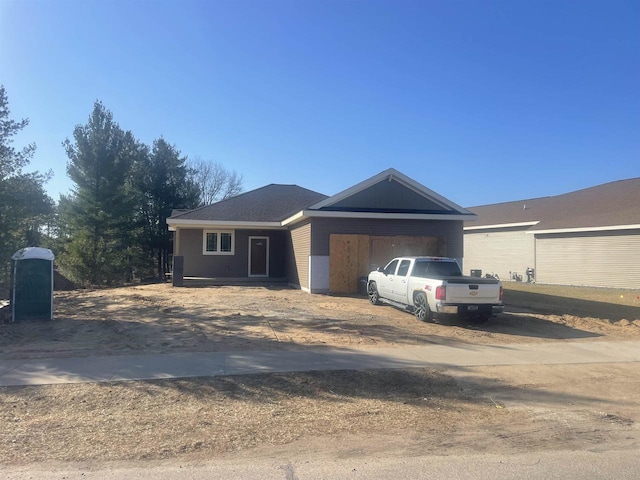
348,261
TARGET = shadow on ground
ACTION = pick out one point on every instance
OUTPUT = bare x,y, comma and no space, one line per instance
522,325
103,324
556,305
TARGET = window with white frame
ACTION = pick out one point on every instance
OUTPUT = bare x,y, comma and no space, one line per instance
218,242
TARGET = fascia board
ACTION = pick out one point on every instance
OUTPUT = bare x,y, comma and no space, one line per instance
294,218
178,223
503,225
382,216
586,229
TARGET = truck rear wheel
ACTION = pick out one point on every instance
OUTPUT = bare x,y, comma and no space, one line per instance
421,307
372,292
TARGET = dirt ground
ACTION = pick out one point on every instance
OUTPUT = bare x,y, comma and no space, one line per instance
161,319
349,413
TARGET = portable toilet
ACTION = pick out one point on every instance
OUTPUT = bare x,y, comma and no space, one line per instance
32,284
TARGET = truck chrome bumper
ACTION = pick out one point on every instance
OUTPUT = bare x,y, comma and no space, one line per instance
447,309
469,309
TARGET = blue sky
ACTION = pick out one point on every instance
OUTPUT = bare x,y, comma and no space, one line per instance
481,101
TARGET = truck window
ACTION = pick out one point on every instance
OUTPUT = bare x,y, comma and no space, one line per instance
431,269
403,269
390,269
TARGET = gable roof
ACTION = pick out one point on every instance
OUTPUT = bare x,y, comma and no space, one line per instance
388,195
614,205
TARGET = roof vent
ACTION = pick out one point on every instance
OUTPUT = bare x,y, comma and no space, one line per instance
524,207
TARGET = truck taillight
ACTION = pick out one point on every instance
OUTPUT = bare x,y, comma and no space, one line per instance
441,292
501,292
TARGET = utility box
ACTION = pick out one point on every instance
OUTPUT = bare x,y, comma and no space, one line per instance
178,271
32,284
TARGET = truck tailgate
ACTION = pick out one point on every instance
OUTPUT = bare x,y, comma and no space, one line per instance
482,293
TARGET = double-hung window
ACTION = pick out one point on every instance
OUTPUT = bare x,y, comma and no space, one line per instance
218,242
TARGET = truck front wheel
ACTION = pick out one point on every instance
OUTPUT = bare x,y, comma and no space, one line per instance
372,291
421,307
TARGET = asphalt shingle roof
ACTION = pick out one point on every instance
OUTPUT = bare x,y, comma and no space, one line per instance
610,204
271,203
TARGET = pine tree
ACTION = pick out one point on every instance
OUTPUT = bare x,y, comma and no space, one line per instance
161,180
98,216
24,205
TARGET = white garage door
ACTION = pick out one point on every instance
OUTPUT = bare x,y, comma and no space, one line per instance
611,260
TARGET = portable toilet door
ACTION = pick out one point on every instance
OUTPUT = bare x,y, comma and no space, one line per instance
32,285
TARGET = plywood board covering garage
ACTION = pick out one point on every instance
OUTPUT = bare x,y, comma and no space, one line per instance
348,261
354,256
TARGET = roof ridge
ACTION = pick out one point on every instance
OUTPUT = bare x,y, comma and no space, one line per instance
513,201
559,194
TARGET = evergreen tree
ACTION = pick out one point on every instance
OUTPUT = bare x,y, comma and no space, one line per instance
161,180
24,205
98,219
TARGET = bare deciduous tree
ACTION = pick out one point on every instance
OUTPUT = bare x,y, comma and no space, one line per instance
214,181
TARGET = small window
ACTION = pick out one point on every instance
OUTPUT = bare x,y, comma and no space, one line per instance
218,242
225,242
212,242
403,269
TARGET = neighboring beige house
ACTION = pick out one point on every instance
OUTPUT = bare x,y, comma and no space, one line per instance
590,237
320,244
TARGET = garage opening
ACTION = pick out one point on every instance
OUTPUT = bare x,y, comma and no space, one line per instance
354,256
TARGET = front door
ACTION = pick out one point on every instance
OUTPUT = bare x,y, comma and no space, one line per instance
258,256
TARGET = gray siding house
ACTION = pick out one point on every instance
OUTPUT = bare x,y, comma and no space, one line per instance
590,237
318,243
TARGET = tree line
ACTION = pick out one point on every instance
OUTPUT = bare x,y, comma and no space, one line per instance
111,227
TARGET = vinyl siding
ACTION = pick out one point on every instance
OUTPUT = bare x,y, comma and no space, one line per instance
387,196
499,251
231,266
597,260
324,227
299,255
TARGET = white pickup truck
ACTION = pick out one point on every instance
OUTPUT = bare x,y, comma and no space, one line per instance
432,286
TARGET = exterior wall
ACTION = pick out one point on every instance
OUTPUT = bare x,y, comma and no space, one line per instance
324,227
231,266
291,253
595,259
299,253
499,251
447,234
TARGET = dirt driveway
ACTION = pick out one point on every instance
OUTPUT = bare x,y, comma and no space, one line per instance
303,415
161,319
